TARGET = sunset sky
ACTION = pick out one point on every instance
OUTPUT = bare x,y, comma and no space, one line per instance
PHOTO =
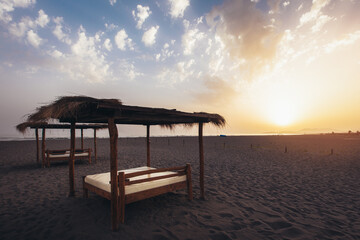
265,65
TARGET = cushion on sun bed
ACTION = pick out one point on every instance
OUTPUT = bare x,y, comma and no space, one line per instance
102,180
66,154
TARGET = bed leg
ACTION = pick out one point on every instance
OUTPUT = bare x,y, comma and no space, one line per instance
121,201
85,190
189,181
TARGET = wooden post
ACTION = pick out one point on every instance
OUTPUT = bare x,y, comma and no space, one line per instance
72,160
201,157
189,181
148,145
113,132
37,145
82,139
43,147
95,150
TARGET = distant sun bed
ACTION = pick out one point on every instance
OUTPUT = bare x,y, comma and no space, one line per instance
64,155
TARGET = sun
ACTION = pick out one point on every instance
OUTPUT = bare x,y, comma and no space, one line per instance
281,112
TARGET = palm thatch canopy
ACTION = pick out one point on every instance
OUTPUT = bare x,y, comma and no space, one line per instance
22,127
81,109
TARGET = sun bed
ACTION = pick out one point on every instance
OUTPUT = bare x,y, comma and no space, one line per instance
140,183
64,154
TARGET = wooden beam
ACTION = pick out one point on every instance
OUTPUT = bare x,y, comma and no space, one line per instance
43,146
148,145
82,138
72,160
201,157
95,149
37,145
113,132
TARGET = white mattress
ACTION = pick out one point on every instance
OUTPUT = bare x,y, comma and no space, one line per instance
85,154
102,180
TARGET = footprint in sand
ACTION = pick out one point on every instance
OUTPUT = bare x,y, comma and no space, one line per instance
225,215
279,225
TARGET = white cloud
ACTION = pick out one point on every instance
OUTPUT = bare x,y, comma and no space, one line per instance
183,70
320,22
42,19
19,29
33,38
149,36
128,70
141,15
26,23
86,62
112,2
8,6
347,40
177,7
107,44
56,54
123,41
58,32
189,40
314,13
165,53
110,27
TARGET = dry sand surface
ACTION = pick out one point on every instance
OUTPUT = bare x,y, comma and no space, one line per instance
251,193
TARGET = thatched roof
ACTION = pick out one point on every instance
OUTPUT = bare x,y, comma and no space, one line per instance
81,109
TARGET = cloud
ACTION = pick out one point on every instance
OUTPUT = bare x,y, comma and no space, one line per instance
189,40
123,41
42,19
33,38
347,40
149,36
246,34
86,60
314,13
142,14
56,54
26,23
8,6
107,44
177,7
180,72
165,52
112,2
128,70
58,32
218,92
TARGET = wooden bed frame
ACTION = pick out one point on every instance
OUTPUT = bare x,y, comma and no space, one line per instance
125,180
53,155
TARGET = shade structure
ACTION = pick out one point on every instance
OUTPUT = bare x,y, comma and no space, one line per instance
43,125
91,110
82,109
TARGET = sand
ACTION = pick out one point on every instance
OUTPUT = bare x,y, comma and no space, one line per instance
257,192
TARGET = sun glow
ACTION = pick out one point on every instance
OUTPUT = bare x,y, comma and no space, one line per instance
281,113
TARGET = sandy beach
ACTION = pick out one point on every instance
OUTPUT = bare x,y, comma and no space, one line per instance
254,190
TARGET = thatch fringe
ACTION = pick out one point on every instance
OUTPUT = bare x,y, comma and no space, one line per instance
66,107
22,127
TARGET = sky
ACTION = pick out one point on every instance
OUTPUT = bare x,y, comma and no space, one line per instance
265,65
